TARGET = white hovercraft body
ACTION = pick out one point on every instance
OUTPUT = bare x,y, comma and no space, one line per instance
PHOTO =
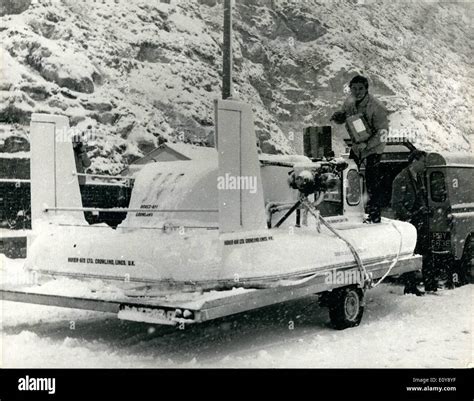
203,257
211,234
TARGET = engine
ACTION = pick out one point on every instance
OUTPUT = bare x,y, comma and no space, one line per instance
318,177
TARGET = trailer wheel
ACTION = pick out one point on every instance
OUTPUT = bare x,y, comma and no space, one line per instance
346,307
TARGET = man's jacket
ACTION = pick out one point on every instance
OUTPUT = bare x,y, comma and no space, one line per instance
376,116
409,204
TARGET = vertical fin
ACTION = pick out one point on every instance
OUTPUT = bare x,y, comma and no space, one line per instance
241,202
54,182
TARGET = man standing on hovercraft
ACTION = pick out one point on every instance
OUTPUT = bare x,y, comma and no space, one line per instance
366,120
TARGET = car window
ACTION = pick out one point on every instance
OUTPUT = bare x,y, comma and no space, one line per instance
353,188
437,186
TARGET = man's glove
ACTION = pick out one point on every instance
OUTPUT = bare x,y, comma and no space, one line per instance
78,146
339,117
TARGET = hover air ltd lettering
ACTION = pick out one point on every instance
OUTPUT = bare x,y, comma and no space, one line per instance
228,181
97,261
37,384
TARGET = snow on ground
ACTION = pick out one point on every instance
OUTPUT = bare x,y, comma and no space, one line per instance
396,331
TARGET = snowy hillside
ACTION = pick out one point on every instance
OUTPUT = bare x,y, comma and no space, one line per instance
136,72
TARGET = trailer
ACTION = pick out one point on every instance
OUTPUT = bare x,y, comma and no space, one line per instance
155,305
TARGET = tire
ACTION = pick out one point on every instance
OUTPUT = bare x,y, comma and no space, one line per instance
346,307
466,261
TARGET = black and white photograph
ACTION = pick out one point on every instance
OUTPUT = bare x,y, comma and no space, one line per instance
237,186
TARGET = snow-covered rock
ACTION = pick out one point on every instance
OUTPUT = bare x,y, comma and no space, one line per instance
147,72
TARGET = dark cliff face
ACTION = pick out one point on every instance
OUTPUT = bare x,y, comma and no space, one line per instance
135,73
8,7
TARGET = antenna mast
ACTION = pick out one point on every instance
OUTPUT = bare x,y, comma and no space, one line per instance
227,51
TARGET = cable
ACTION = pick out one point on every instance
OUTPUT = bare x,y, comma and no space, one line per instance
367,281
395,260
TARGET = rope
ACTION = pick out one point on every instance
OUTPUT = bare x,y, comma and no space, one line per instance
367,281
395,260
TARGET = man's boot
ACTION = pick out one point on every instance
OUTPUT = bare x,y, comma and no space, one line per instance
413,289
411,284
